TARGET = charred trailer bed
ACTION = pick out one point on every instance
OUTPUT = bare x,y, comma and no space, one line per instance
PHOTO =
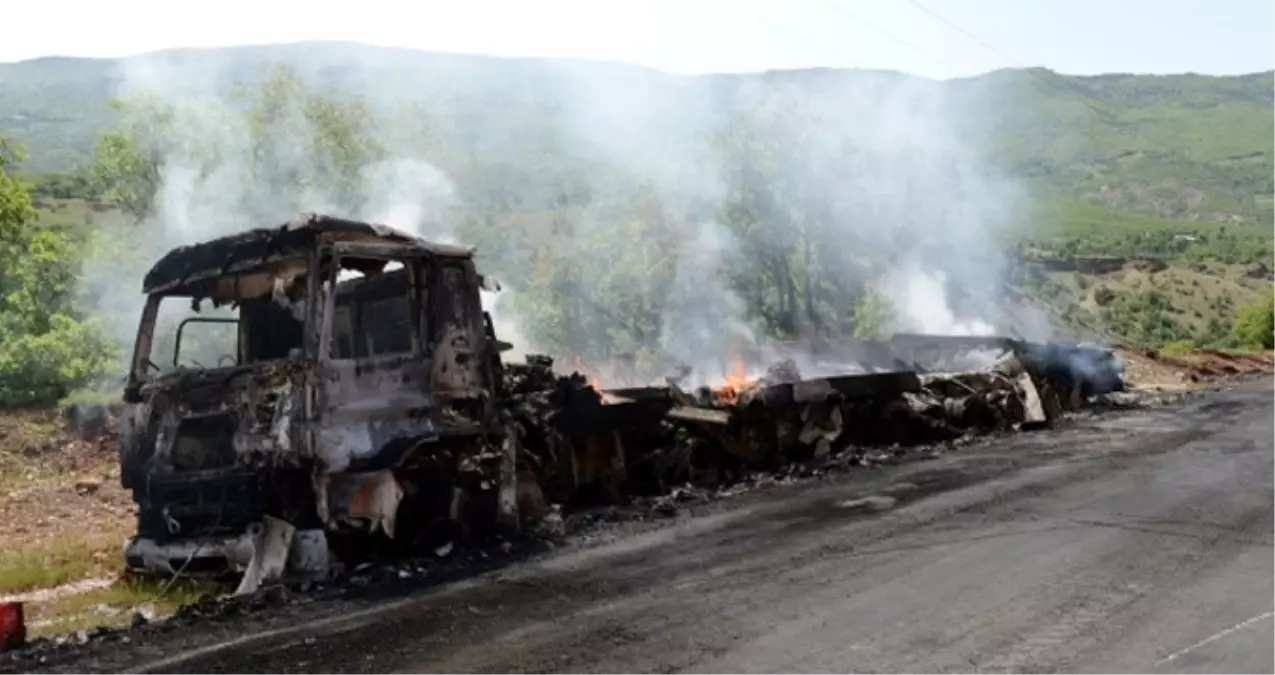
769,425
1091,369
616,439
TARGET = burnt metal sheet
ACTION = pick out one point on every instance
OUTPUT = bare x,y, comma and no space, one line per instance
251,248
586,411
367,501
210,503
687,413
953,342
370,407
843,386
640,393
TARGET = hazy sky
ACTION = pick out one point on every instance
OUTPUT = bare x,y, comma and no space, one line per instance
695,36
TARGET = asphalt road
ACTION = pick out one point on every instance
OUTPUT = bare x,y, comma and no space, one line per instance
1139,542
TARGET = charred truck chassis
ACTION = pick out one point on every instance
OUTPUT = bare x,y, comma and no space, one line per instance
626,442
374,415
360,410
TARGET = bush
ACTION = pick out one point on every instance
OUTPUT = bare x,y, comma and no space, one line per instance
46,349
1255,323
44,367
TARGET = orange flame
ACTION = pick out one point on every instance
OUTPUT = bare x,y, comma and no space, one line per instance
736,382
577,364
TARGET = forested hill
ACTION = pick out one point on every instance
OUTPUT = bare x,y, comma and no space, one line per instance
1186,147
644,217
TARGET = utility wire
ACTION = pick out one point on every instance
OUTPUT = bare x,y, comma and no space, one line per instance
1085,97
898,40
968,34
807,42
796,38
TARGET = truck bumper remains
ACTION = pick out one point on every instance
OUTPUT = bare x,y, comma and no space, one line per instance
261,553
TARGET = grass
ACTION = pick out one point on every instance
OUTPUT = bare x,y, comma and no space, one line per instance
77,213
112,606
1178,348
49,563
1071,227
1210,271
53,534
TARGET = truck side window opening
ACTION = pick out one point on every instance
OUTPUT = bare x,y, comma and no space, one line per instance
373,310
453,289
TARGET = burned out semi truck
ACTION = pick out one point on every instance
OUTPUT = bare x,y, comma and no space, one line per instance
358,402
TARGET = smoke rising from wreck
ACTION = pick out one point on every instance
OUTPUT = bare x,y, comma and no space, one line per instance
877,176
880,173
218,175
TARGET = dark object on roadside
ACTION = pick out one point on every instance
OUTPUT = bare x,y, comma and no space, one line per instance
13,626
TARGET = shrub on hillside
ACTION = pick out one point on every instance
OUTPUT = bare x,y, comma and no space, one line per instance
1255,323
46,348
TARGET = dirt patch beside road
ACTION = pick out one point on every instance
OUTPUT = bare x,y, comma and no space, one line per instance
1151,369
63,513
63,520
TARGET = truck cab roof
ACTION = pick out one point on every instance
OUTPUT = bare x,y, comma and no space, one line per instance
194,269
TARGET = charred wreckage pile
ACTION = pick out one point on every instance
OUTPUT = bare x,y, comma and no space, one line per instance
584,444
365,410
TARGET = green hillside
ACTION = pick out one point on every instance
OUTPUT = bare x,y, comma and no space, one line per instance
639,216
1186,147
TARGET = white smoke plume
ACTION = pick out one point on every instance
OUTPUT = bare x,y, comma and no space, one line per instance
923,200
411,195
507,328
920,297
217,178
888,176
882,174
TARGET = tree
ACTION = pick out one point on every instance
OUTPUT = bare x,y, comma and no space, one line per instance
47,348
801,266
124,168
757,207
604,289
307,144
872,316
125,175
1255,323
270,146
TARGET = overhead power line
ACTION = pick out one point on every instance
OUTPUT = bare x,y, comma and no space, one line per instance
837,54
969,35
1086,98
869,25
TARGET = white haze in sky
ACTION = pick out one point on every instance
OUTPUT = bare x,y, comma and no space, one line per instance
705,36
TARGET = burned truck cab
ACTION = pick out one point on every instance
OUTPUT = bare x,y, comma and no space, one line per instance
335,379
